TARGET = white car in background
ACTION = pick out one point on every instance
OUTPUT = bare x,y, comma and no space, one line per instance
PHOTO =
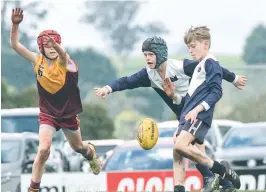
218,130
167,128
103,147
18,151
78,163
19,120
215,135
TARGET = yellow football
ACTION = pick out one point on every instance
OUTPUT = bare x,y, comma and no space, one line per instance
147,133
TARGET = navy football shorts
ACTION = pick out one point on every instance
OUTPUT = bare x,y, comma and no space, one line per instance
199,130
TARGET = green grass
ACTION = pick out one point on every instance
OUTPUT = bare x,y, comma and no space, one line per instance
135,63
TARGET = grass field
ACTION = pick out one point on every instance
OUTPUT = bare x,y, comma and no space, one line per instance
135,63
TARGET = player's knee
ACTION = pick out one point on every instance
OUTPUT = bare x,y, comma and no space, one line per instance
179,147
44,150
177,156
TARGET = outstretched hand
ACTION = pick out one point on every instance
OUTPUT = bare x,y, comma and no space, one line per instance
17,15
168,87
241,82
101,92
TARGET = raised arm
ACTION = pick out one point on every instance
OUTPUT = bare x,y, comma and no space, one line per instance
16,18
139,79
238,80
62,55
190,65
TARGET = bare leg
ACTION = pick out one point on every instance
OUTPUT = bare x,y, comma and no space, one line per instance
207,173
46,133
87,150
183,146
179,169
75,141
203,169
179,165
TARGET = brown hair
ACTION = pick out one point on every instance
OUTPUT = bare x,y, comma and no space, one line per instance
197,34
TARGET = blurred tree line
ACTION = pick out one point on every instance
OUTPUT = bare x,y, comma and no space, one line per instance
255,48
121,33
119,28
250,110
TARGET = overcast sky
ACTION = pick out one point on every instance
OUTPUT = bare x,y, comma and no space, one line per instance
230,21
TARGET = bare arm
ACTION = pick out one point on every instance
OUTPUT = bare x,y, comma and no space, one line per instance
17,17
62,55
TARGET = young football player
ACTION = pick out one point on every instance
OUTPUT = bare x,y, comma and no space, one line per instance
59,97
169,78
196,117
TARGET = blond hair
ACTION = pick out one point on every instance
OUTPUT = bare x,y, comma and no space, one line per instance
197,34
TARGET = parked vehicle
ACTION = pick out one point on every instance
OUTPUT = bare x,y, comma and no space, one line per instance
78,163
19,120
103,146
218,130
73,158
244,147
129,156
167,128
18,151
215,135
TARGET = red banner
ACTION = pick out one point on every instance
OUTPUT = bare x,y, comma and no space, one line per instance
150,181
